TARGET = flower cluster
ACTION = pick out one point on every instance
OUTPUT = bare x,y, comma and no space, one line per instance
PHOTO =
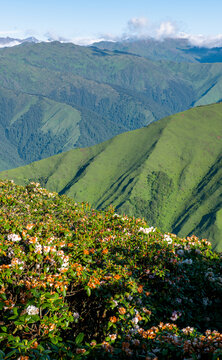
147,230
78,283
14,237
32,310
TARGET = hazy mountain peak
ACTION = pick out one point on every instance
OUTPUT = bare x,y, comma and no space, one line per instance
9,42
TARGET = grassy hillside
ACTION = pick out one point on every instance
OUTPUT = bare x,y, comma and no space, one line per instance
88,95
168,172
78,284
34,127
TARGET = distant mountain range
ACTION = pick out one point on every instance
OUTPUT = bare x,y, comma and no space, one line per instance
168,172
9,42
177,50
55,97
171,49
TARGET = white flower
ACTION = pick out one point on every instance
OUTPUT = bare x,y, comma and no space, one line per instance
175,315
116,215
46,249
63,269
62,244
188,330
135,320
50,240
115,302
38,249
60,253
65,264
10,252
32,310
14,237
113,337
147,230
76,315
16,261
167,238
35,184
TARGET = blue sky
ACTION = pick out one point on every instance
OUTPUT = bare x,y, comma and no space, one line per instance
96,19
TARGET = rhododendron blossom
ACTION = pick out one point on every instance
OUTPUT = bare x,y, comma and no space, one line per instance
14,237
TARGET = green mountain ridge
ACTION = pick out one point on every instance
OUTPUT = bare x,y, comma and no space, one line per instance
177,50
104,93
35,127
168,172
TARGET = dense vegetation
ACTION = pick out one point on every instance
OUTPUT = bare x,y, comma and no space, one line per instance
169,172
56,97
33,127
76,283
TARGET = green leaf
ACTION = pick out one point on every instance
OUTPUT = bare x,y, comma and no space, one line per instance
88,290
11,353
79,338
3,336
54,340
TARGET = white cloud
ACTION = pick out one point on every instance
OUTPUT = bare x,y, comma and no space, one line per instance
169,29
10,44
137,24
52,36
89,40
204,41
136,28
166,29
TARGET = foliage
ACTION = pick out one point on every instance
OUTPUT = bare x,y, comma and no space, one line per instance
77,283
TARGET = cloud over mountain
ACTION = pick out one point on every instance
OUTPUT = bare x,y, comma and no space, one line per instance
135,28
137,24
142,28
166,29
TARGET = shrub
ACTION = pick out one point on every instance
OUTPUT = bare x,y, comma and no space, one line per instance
78,283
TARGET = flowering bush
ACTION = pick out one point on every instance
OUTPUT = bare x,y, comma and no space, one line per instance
78,283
